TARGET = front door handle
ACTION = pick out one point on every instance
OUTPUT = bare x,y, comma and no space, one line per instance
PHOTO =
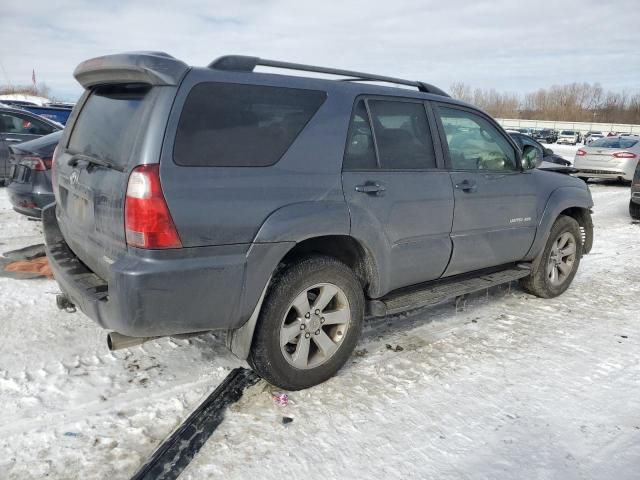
467,186
371,188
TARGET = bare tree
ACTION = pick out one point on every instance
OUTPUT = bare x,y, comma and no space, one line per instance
579,102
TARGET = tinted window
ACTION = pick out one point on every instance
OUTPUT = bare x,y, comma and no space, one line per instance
241,125
109,123
474,143
23,125
402,135
567,132
614,142
360,153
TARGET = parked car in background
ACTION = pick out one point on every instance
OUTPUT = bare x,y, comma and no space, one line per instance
58,113
545,135
18,126
30,183
608,157
590,133
568,137
548,158
592,137
526,131
634,203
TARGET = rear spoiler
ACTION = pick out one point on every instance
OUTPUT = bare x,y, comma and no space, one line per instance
155,68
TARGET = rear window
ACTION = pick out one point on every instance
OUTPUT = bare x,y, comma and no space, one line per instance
233,125
109,123
614,142
567,132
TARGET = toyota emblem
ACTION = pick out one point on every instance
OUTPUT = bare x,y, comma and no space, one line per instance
73,178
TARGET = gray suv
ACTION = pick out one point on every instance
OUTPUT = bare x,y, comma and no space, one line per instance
284,209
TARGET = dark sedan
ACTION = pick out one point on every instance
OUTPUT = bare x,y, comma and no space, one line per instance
546,153
17,126
30,183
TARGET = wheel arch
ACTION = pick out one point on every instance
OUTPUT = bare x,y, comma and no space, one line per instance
575,202
342,247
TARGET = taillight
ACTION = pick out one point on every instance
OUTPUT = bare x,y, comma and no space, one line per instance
624,155
54,176
148,223
580,153
36,163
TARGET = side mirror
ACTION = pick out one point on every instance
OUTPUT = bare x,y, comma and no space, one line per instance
531,157
548,151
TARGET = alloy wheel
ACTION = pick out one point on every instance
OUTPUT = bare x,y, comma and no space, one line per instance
314,325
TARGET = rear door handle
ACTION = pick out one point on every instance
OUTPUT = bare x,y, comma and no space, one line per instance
370,188
467,186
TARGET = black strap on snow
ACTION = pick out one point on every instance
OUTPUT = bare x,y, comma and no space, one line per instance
177,451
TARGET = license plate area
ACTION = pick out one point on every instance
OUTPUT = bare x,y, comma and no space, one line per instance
77,206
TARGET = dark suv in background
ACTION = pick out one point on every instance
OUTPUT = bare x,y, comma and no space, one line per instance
284,209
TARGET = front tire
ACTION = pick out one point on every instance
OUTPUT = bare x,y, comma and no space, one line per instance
634,210
309,324
554,269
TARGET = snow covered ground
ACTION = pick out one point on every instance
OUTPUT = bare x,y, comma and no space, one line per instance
503,386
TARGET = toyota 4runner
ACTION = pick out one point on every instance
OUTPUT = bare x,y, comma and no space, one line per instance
284,209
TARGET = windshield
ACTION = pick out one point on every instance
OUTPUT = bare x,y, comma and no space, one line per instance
109,122
612,142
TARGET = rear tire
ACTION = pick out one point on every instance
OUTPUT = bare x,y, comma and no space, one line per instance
309,324
634,210
554,269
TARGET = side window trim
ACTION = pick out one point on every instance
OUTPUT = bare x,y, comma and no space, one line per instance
356,102
373,132
435,135
375,141
445,145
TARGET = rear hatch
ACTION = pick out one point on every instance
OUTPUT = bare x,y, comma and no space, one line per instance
118,124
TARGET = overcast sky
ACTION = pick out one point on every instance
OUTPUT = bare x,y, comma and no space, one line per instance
510,45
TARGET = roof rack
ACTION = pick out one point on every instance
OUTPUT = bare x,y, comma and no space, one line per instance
243,63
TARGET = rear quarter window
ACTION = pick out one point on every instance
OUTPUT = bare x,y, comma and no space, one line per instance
234,125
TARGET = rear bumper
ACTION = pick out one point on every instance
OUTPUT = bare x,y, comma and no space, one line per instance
27,202
151,296
606,174
620,169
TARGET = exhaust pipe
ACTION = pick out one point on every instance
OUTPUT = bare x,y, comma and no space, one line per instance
117,341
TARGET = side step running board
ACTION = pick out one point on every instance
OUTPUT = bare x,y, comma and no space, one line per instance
438,292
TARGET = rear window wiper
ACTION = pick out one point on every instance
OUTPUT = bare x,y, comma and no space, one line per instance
73,161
